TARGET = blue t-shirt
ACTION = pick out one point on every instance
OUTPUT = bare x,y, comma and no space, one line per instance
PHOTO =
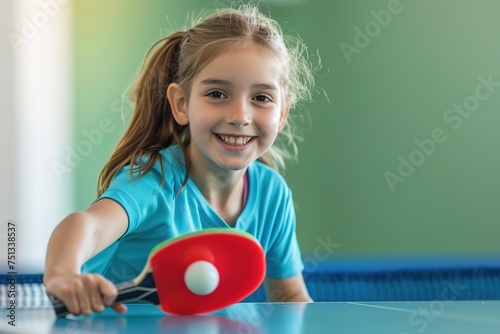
156,213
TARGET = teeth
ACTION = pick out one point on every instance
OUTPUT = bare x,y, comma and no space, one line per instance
235,141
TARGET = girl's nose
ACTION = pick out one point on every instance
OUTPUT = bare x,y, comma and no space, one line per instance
239,115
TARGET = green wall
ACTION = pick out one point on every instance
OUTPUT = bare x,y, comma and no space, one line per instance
384,86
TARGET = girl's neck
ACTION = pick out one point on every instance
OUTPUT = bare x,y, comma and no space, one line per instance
222,189
217,183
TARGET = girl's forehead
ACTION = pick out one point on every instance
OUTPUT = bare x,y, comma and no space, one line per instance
250,59
248,65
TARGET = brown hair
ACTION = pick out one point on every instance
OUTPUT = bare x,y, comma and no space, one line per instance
178,58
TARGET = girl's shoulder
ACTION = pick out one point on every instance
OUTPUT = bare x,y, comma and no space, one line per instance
265,171
172,156
265,178
169,167
172,164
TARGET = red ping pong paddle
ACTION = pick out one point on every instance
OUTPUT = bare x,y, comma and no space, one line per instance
194,273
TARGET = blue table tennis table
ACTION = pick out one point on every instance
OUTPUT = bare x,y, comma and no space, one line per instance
476,317
369,295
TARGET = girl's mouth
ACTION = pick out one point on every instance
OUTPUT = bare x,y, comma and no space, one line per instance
235,141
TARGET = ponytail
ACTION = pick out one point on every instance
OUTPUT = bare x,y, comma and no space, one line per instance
152,127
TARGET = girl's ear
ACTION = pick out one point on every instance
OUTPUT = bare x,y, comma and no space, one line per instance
178,103
283,117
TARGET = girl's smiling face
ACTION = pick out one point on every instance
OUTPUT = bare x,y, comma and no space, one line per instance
235,109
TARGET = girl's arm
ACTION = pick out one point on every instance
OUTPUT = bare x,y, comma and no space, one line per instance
78,237
291,289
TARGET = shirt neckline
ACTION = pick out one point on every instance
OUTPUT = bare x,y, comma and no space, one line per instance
212,217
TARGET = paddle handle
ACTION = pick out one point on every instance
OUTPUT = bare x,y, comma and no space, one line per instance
59,307
130,291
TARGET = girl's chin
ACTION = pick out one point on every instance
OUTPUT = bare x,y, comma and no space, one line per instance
233,167
233,164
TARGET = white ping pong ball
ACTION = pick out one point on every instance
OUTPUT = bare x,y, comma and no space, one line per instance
201,277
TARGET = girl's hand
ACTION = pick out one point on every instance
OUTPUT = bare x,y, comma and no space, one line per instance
84,294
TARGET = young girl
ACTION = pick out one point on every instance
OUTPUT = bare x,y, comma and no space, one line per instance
209,104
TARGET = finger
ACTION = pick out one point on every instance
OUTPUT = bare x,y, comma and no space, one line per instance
120,308
108,291
95,297
83,296
69,298
92,286
66,293
72,304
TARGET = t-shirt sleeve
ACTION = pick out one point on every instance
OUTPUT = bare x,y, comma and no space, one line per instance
141,197
284,257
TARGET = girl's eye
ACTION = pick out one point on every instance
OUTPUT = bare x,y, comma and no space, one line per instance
263,98
216,94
